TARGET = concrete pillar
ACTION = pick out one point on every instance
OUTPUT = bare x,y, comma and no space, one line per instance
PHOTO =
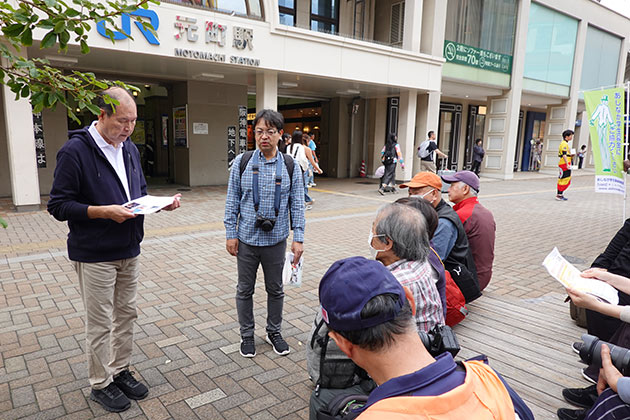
406,132
503,111
562,117
433,26
412,25
21,151
427,119
267,91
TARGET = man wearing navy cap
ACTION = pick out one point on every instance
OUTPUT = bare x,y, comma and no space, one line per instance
478,221
370,318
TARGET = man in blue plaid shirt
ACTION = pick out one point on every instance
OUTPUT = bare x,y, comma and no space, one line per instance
257,226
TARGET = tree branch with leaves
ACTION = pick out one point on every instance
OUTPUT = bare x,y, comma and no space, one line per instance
61,21
46,85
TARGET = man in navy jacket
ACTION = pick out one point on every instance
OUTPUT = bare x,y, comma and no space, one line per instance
97,171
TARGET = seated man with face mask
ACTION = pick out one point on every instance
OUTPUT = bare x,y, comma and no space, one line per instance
400,241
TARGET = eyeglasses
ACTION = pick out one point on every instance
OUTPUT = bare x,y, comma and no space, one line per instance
268,132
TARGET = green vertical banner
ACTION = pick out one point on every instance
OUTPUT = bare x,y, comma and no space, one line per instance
605,110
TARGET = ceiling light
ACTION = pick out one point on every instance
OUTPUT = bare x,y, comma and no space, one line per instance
135,93
288,84
348,92
529,104
147,86
208,76
467,96
61,61
78,109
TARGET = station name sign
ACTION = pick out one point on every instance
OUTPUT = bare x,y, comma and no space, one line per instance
457,53
214,33
188,29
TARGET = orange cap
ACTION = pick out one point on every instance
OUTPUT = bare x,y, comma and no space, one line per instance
424,179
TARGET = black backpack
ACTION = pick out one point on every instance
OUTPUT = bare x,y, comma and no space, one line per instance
390,155
288,162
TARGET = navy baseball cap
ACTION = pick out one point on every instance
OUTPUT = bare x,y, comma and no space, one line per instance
348,285
467,177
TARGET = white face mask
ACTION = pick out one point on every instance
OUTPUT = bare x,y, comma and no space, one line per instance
373,251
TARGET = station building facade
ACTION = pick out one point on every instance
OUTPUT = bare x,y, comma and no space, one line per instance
506,71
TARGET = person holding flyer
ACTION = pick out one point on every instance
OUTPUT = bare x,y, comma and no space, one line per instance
98,170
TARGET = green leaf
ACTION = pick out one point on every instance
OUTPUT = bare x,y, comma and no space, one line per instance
72,13
27,37
100,84
25,91
93,109
64,37
49,40
46,24
60,26
3,223
13,30
84,47
50,3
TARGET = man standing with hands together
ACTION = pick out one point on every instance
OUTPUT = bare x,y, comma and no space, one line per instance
265,196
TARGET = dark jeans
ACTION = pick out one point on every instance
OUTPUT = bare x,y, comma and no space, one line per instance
248,259
476,166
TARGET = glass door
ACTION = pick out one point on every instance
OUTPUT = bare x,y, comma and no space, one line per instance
448,134
474,131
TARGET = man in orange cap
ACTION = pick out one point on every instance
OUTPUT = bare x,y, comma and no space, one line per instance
449,240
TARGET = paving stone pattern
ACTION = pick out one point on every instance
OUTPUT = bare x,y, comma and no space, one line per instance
186,346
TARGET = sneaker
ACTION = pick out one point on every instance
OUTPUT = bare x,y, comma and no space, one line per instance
313,184
560,198
581,397
308,207
248,348
381,192
589,376
570,414
129,386
277,342
111,398
577,346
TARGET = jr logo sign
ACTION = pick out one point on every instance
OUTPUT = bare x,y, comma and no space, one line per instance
126,26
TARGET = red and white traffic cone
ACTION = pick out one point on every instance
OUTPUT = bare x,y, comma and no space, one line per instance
362,172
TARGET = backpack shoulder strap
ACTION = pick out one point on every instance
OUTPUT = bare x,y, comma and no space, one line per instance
290,163
244,160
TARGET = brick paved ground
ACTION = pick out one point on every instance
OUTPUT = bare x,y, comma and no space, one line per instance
187,329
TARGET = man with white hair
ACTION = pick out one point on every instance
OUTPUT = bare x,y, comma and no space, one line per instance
477,220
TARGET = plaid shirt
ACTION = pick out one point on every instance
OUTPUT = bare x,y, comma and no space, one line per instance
420,278
240,215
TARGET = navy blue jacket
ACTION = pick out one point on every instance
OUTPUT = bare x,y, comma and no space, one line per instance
84,177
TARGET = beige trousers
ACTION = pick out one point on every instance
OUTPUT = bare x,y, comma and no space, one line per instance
108,290
426,166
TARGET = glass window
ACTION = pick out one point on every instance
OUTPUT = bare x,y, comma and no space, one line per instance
486,24
286,19
550,46
325,15
600,64
251,8
287,12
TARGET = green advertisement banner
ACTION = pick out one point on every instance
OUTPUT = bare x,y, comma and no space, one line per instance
605,110
457,53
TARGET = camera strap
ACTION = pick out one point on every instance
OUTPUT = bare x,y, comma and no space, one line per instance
278,189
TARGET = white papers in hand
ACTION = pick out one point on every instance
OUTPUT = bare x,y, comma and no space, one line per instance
292,274
148,204
570,277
